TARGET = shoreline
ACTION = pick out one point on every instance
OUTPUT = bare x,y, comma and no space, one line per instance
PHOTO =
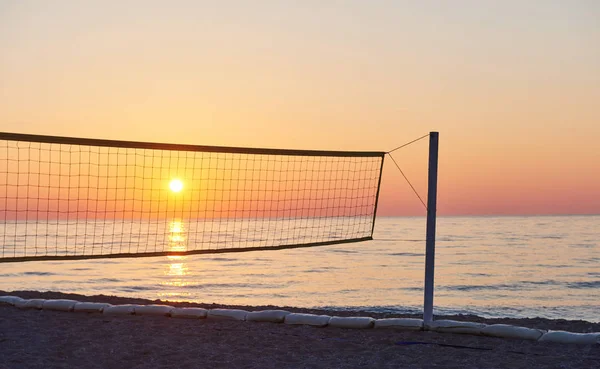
576,326
42,339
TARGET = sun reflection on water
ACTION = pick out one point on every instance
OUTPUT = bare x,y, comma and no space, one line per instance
177,268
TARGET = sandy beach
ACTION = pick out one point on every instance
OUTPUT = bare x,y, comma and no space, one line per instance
48,339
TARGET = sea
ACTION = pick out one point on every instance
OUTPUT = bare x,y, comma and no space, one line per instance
505,266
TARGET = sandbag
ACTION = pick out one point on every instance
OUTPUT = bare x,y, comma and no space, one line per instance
59,305
30,304
162,310
404,324
9,300
511,331
90,307
569,337
227,314
307,319
189,313
453,326
351,322
275,316
119,310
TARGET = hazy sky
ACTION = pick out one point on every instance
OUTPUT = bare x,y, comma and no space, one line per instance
513,87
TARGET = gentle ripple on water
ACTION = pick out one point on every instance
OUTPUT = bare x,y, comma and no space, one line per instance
490,266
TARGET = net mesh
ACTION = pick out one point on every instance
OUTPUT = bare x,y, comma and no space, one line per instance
68,198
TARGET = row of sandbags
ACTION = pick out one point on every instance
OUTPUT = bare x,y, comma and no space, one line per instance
282,316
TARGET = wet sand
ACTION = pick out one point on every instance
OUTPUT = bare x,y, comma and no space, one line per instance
48,339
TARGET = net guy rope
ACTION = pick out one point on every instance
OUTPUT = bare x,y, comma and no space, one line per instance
79,198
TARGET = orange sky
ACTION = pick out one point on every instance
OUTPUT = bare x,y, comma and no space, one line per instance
513,87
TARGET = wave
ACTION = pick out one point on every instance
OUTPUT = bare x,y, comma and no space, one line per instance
222,259
340,251
228,285
137,288
577,285
407,254
320,270
38,273
518,286
111,280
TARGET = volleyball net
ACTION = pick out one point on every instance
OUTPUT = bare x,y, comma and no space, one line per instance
78,198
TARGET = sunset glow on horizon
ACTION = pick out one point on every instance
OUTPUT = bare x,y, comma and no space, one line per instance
512,87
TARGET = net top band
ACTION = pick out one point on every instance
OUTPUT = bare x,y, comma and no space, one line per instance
7,136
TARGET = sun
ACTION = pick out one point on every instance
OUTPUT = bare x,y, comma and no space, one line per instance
176,185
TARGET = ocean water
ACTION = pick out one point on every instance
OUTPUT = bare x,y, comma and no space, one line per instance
534,266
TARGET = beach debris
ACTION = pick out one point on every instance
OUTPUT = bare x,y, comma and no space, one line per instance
30,304
90,307
189,313
307,319
274,316
352,322
511,331
569,337
119,310
59,305
403,324
227,314
164,310
454,326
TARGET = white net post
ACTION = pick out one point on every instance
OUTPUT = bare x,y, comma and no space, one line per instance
431,225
